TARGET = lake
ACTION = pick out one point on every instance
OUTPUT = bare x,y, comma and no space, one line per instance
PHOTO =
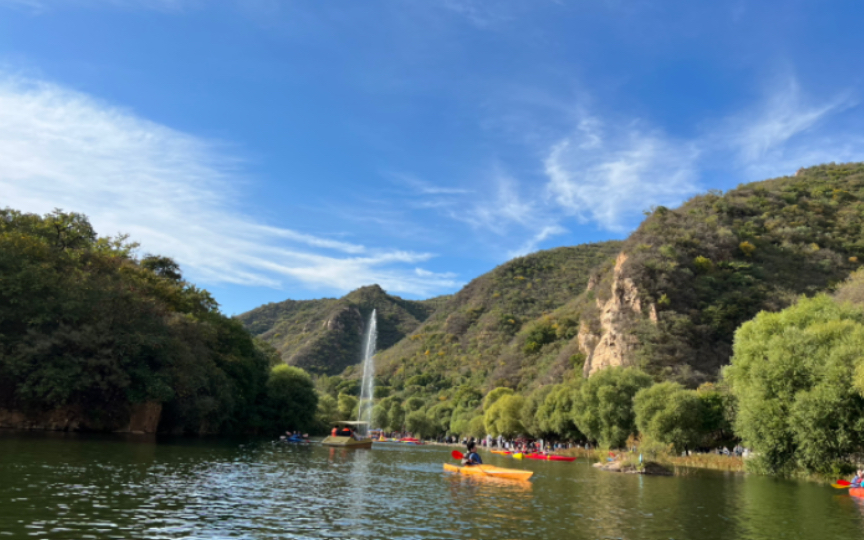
70,486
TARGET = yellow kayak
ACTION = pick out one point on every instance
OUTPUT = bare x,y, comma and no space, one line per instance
518,456
490,471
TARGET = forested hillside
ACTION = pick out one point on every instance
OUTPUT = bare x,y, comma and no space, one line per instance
94,338
324,336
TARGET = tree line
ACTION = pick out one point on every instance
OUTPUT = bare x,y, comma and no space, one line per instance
87,325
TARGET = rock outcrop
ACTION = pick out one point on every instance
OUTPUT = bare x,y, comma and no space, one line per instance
613,345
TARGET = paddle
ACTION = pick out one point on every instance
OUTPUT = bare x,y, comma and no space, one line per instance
456,454
843,484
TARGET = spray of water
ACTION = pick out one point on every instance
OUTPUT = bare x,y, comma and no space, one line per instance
367,388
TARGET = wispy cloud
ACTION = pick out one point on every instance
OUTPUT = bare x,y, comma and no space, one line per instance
785,132
174,193
608,175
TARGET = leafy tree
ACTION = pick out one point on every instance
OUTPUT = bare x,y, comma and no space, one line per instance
292,398
556,414
413,404
347,406
397,416
328,411
504,416
477,427
380,417
440,415
792,375
494,396
604,405
530,419
671,414
418,423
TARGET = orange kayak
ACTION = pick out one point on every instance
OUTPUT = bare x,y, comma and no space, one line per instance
857,492
502,452
490,471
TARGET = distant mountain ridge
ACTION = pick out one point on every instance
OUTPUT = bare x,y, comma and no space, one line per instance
667,299
324,336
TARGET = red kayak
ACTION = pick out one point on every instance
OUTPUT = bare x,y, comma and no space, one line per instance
550,457
857,492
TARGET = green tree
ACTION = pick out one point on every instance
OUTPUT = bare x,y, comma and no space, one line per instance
292,398
670,414
413,404
494,396
556,414
397,416
530,419
504,416
380,417
604,405
419,425
792,375
347,406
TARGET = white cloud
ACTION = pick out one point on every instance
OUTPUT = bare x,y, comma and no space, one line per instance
788,131
534,242
609,175
172,192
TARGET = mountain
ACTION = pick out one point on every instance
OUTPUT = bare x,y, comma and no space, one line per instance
325,336
667,299
687,278
507,327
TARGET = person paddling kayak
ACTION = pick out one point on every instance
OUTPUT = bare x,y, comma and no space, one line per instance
858,481
472,458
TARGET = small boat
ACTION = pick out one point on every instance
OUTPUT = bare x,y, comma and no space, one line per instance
411,440
550,457
348,441
502,452
518,455
857,492
294,440
490,471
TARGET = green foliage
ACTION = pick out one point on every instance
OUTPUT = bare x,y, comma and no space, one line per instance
719,259
539,333
670,414
85,325
604,405
291,396
529,417
494,396
347,405
418,424
792,375
556,415
477,427
413,404
328,412
504,416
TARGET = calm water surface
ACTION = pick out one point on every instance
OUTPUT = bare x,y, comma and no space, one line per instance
60,486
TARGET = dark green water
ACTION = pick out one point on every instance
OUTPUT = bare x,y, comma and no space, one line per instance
61,486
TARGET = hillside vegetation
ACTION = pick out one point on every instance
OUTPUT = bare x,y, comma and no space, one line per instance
325,336
89,333
719,259
508,327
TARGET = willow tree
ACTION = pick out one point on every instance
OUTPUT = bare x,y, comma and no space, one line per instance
792,374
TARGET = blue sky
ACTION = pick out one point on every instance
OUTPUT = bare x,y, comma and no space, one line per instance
300,149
